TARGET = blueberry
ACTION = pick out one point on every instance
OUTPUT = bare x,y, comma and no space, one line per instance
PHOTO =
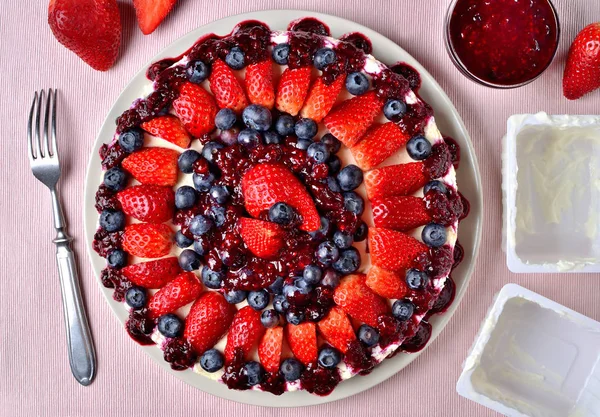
282,213
182,240
254,373
324,57
186,160
185,197
333,185
219,193
203,182
348,262
189,260
434,235
289,290
131,140
332,143
271,138
331,278
323,231
112,221
368,335
258,300
235,58
354,203
285,125
357,83
170,325
303,144
197,71
415,279
281,53
393,109
115,179
257,117
403,309
291,369
135,297
210,149
218,215
212,360
329,357
269,318
230,136
116,258
302,286
350,177
200,247
276,286
200,225
249,138
318,152
225,119
327,253
211,279
306,129
418,148
312,274
280,303
235,296
435,185
294,317
342,240
361,232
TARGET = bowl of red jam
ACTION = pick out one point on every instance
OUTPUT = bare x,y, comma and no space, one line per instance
502,43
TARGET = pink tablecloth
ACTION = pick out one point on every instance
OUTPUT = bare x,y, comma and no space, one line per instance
34,374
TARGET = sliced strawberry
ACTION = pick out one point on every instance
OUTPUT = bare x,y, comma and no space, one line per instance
378,144
402,179
386,283
337,329
582,72
269,349
303,341
226,88
184,289
292,89
400,212
153,165
147,240
259,83
208,321
358,301
148,203
321,98
393,250
150,13
152,274
244,333
196,109
266,184
169,128
351,119
264,239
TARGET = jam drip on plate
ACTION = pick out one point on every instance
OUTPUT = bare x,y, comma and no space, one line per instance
140,326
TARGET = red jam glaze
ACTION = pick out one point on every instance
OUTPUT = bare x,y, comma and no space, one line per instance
310,25
412,75
419,340
106,199
466,206
179,354
234,376
112,278
459,254
140,326
112,155
319,381
439,162
444,299
454,149
105,241
358,358
504,42
359,41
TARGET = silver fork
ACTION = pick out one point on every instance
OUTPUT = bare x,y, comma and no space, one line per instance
43,157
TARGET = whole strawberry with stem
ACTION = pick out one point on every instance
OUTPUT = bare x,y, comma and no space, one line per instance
582,72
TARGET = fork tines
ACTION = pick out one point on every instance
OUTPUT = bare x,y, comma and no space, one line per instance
39,149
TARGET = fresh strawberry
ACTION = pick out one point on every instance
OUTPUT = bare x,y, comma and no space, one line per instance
147,240
393,250
402,179
269,349
196,109
378,144
582,72
208,321
148,203
321,98
266,184
150,13
244,333
259,83
386,283
169,128
358,301
264,239
337,329
90,28
351,119
184,289
152,274
400,212
303,341
153,165
226,88
292,89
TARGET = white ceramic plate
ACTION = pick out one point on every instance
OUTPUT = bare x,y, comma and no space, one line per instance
448,121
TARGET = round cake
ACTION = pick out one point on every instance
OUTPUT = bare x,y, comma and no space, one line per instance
280,212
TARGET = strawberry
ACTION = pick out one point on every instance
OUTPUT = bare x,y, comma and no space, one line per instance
269,349
184,289
90,28
378,144
321,98
401,179
148,203
351,119
386,283
153,165
226,88
400,212
169,128
147,240
358,301
152,274
302,339
259,83
208,321
582,72
244,333
292,89
196,109
150,13
393,250
337,329
264,239
266,184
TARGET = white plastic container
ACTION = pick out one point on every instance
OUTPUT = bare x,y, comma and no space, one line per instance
534,358
551,185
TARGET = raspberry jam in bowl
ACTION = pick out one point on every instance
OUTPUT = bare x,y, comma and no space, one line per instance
502,43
